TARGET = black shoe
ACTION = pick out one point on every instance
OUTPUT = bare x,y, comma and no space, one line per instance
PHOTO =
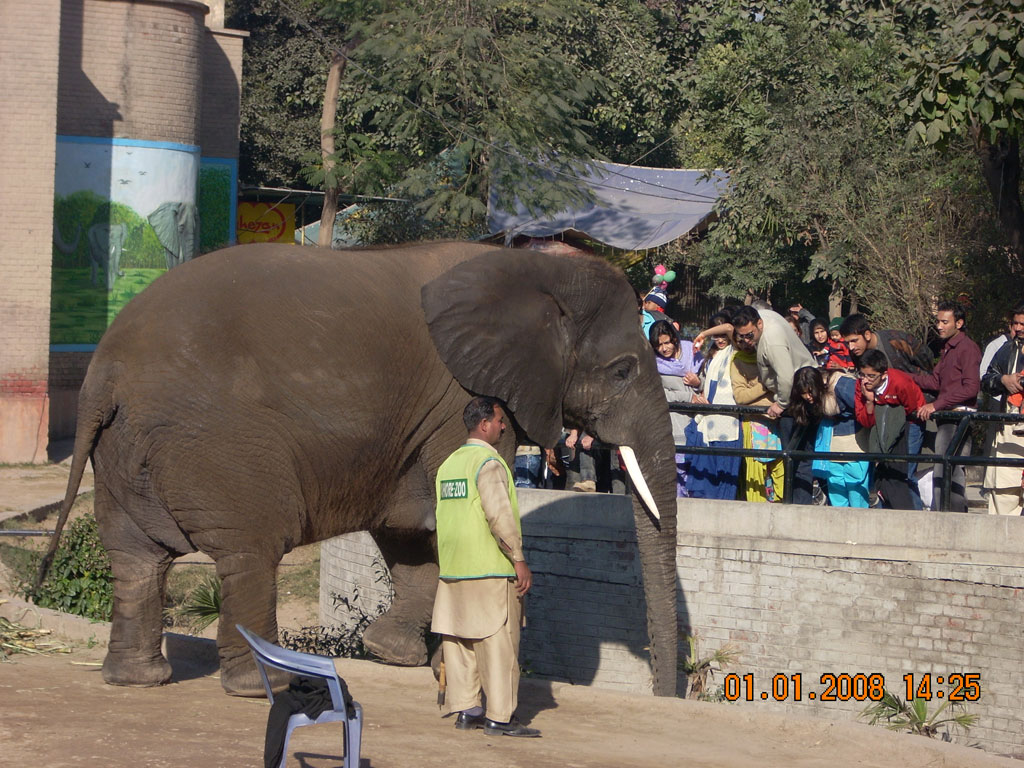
511,728
467,722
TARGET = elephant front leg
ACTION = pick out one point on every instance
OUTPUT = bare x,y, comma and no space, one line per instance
248,590
399,635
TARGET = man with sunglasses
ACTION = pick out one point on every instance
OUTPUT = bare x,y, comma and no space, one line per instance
780,354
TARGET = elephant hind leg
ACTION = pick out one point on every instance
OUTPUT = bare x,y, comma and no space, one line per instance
398,635
248,597
139,567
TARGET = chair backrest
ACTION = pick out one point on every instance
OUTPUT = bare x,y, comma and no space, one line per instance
270,655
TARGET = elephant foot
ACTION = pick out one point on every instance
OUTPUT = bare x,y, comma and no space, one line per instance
396,641
244,680
119,671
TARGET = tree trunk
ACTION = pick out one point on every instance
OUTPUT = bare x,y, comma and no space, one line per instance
835,300
327,120
1000,165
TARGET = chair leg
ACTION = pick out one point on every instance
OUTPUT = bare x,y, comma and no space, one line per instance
353,738
287,738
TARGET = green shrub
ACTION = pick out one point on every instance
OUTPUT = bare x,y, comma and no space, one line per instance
80,580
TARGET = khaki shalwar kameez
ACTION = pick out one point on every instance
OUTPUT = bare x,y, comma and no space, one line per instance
479,619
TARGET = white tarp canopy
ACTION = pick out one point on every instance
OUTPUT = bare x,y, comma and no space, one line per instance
634,208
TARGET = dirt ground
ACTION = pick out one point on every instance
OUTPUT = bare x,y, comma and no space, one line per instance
55,710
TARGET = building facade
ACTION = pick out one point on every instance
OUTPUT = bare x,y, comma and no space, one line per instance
123,153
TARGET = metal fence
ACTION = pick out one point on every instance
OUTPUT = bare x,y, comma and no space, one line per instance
790,454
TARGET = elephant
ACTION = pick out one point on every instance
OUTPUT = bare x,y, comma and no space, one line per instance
177,228
106,242
267,396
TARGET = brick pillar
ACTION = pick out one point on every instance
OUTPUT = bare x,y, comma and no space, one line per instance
29,46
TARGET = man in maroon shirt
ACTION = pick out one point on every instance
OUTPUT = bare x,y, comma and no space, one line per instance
955,381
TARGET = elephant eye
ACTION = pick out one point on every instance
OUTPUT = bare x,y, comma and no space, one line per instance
621,370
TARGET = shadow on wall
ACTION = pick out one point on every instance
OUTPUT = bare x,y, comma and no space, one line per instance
586,614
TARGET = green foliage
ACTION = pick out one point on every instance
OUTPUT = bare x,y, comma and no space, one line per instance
913,716
201,605
347,640
699,668
214,203
285,71
796,102
971,75
80,580
484,82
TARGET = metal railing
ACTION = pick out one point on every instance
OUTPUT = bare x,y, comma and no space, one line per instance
790,454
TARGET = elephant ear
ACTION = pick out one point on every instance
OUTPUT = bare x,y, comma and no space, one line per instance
502,331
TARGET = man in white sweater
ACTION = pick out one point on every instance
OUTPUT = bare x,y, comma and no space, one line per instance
780,352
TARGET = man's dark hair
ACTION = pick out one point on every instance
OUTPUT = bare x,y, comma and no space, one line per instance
873,358
1018,310
480,408
662,328
745,316
854,325
959,313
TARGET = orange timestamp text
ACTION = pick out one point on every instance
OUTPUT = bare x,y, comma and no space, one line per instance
956,687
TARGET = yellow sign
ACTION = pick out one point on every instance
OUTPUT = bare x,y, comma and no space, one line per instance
266,223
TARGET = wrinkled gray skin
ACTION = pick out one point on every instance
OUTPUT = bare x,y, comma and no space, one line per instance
268,396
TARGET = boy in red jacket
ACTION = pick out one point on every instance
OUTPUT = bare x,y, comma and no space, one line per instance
887,400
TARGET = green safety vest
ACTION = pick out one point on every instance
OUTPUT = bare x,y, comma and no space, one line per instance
466,548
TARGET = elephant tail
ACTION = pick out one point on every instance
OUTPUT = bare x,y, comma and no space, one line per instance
91,420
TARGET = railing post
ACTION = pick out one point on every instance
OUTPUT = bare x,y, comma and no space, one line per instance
953,449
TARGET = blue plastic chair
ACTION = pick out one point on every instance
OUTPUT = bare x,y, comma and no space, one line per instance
269,655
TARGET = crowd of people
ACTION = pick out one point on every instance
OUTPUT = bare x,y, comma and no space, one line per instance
838,386
833,385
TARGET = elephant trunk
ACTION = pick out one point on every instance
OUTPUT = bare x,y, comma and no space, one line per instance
650,437
656,541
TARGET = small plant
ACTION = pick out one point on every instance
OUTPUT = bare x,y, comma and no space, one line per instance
346,641
201,606
79,580
913,716
698,669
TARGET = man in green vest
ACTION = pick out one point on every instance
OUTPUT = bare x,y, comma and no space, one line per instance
479,605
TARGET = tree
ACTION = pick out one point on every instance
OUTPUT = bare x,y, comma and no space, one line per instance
796,103
284,70
970,81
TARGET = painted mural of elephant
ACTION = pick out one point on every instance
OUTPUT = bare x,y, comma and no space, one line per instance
106,243
177,228
268,396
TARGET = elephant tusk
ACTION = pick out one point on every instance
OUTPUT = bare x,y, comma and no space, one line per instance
633,468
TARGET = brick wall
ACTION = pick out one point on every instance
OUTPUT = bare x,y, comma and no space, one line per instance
585,617
130,69
794,590
816,590
221,93
67,372
29,52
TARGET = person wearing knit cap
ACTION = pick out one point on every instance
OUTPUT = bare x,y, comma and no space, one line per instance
839,356
654,304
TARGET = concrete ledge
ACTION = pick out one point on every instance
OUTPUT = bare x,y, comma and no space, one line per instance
867,533
195,652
